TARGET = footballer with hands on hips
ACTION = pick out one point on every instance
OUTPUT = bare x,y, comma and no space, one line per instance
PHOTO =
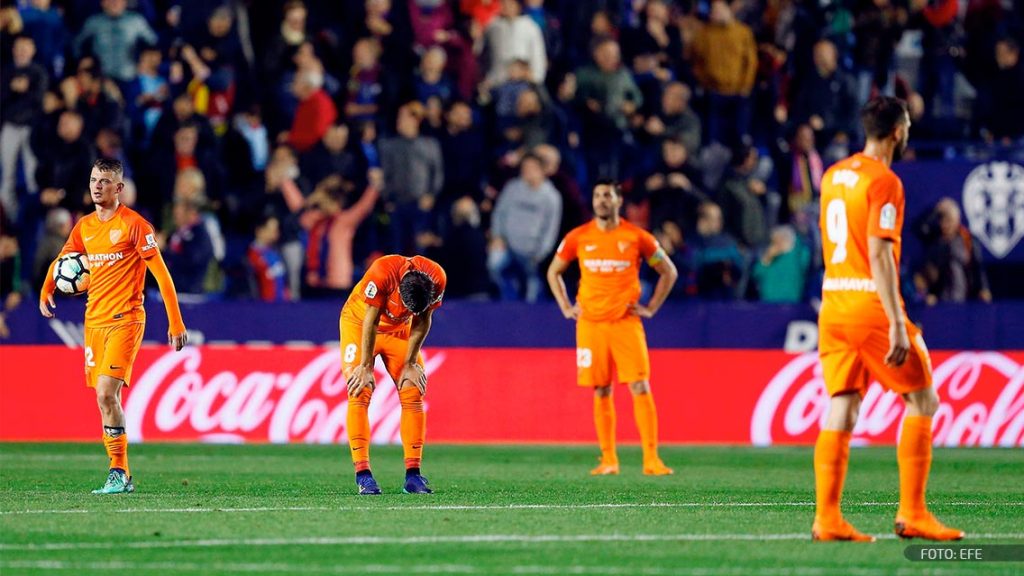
610,340
120,246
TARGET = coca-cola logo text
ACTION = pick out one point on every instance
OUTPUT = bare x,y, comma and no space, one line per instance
981,393
179,397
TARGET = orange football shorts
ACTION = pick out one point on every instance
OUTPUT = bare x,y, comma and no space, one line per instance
618,347
111,350
392,348
851,355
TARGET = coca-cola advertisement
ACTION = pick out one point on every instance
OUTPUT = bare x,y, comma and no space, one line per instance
297,394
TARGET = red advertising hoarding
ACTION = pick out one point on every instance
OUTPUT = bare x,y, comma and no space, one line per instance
283,394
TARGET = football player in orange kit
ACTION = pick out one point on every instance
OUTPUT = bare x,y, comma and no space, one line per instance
864,331
389,313
119,245
609,333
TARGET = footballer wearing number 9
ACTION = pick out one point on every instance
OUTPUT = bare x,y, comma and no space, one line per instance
863,328
120,246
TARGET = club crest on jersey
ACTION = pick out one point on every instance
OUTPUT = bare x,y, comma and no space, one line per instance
115,235
887,220
371,289
623,245
993,201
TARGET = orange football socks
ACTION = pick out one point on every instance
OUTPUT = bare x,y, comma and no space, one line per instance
413,426
604,421
646,417
914,455
831,456
116,443
358,426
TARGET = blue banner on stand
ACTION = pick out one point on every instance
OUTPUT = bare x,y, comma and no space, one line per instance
997,326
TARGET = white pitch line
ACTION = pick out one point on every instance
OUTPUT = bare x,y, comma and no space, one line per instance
243,568
250,568
103,458
452,539
465,507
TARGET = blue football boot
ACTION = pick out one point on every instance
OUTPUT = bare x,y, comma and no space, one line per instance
367,485
416,484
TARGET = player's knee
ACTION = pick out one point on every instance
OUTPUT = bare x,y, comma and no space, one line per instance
843,412
844,421
106,399
362,400
602,391
923,403
640,387
411,399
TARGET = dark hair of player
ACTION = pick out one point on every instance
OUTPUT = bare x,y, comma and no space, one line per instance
109,165
882,115
417,291
611,183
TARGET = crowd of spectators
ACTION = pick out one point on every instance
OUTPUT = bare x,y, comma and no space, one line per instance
279,147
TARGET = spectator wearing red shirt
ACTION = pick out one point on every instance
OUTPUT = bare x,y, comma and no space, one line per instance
332,224
316,112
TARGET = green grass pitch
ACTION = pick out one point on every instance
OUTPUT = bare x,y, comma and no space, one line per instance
206,509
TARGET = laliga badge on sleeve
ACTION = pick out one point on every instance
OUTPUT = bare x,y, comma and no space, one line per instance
887,221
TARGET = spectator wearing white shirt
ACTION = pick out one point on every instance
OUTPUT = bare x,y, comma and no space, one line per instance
513,36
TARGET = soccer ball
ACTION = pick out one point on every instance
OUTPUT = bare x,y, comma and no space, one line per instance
71,274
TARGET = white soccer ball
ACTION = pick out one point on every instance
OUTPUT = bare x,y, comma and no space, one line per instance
71,274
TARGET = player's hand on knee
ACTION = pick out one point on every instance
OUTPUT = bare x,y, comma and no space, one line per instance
45,304
361,378
177,340
899,345
416,376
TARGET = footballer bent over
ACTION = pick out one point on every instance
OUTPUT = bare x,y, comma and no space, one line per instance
389,314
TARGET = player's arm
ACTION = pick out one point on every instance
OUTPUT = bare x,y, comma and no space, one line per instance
886,277
885,224
667,275
177,336
74,243
412,371
362,376
557,283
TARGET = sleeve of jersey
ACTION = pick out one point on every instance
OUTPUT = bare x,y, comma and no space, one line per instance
378,286
155,263
441,279
885,208
650,249
567,248
74,243
144,238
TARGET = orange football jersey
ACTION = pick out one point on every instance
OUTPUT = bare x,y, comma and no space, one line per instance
379,287
860,197
116,251
609,267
